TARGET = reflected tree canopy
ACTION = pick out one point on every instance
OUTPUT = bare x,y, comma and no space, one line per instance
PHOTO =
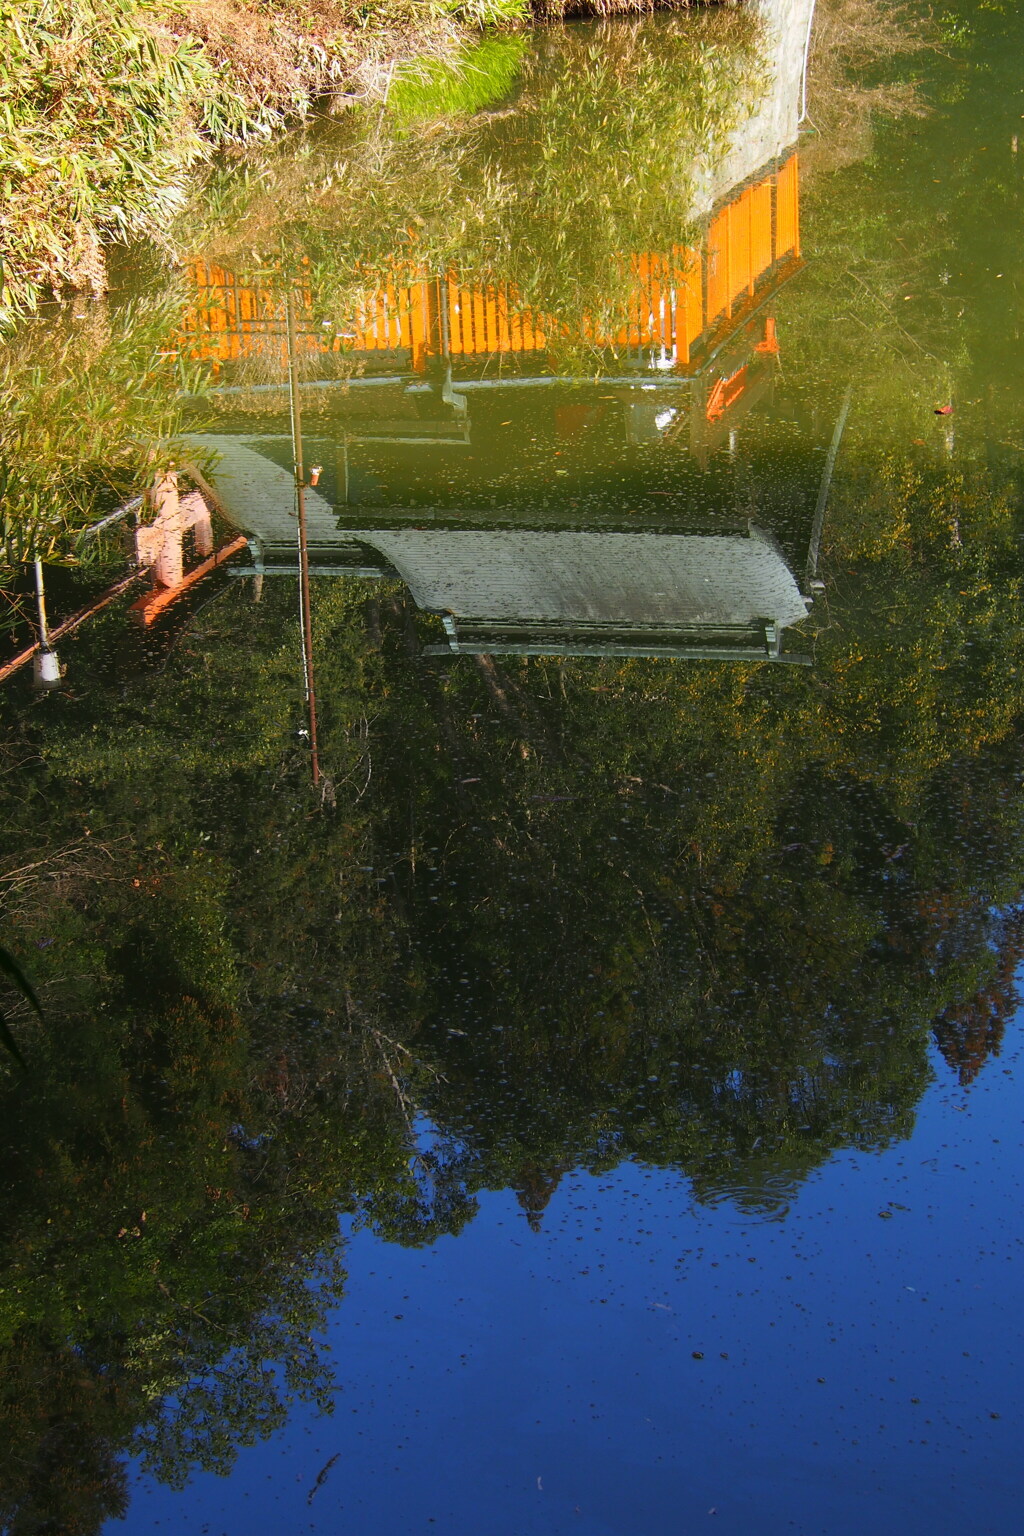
568,912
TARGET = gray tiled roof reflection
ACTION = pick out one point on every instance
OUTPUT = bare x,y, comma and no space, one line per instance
260,495
594,578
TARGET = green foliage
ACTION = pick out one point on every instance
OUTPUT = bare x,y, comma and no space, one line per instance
96,134
717,944
399,15
569,912
108,105
671,944
10,969
211,1089
91,408
592,160
90,404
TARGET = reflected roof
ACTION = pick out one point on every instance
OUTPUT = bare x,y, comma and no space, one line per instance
565,591
594,578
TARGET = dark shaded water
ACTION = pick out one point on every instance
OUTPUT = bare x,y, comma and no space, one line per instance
594,1108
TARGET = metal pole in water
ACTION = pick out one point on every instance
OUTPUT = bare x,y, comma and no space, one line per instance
47,665
300,505
818,524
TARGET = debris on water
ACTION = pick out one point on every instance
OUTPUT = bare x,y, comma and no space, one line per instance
321,1477
943,410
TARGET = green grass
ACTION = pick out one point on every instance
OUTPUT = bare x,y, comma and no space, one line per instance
587,161
454,87
90,409
98,128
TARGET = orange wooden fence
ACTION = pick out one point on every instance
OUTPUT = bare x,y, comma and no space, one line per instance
680,299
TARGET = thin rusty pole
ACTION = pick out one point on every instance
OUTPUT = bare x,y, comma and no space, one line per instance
300,504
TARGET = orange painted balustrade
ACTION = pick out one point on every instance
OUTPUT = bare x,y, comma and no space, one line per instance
682,301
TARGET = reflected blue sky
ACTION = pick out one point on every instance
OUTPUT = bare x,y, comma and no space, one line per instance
533,1384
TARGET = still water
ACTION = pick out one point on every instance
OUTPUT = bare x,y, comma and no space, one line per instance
594,1106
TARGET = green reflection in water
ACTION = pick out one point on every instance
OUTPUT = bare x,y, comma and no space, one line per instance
436,89
591,155
573,910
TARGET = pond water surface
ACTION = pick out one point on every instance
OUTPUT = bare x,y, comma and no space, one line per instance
591,1107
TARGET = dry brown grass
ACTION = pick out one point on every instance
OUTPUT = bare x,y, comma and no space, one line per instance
852,37
283,55
556,10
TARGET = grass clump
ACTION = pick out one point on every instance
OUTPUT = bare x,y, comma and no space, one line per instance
446,87
108,104
580,154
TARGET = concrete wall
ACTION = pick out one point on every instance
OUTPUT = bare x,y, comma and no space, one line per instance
771,120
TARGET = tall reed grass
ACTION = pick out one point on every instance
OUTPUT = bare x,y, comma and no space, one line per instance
583,155
91,408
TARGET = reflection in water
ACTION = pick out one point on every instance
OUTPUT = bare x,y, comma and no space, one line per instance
567,902
595,594
697,324
681,305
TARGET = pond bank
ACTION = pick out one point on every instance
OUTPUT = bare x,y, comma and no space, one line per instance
112,103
